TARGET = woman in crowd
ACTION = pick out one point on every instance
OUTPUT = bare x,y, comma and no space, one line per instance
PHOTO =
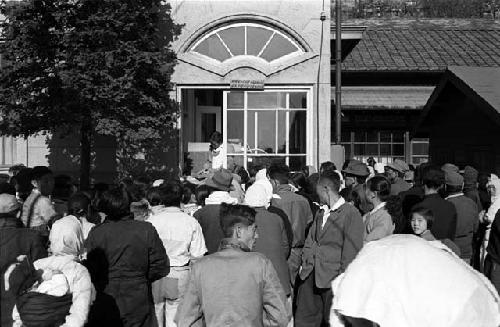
124,257
493,187
79,208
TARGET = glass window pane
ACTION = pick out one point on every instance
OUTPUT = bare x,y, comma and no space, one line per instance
298,100
277,48
345,136
398,149
398,137
281,131
235,100
266,100
359,149
297,135
359,137
256,39
421,149
234,38
419,160
213,48
251,118
297,163
371,136
266,131
371,150
385,136
385,150
235,131
264,160
347,147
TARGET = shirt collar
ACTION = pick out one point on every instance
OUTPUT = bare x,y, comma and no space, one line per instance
380,206
335,206
454,195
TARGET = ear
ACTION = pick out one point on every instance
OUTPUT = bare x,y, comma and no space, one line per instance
34,183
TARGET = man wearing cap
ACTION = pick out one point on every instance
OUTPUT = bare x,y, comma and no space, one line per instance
467,214
15,240
208,216
395,172
356,173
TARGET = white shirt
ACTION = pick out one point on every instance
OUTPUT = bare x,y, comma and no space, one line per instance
180,233
454,196
219,157
327,210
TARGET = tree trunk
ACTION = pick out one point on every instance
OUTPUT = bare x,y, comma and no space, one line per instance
85,155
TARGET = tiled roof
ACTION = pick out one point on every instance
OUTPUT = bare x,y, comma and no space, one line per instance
384,97
425,45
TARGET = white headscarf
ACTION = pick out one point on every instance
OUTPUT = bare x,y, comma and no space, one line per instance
256,196
261,179
66,237
495,198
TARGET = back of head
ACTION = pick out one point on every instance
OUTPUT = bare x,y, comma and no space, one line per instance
234,214
115,204
7,188
279,172
433,177
330,179
380,185
39,171
79,204
172,193
202,192
299,179
327,165
66,237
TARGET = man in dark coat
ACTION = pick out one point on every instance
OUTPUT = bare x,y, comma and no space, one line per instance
333,241
445,214
467,214
297,209
15,240
124,257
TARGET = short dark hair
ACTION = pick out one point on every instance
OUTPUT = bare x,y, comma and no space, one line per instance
115,203
78,204
327,165
172,193
381,185
331,179
7,188
279,172
16,169
232,214
299,179
201,193
454,188
39,171
433,177
241,171
154,196
424,212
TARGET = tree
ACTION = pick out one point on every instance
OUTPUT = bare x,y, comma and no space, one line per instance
99,67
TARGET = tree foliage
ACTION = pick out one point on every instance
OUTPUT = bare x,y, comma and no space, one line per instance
102,66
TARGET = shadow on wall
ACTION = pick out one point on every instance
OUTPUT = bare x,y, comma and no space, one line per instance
110,164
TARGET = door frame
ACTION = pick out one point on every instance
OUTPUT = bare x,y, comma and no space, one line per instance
200,110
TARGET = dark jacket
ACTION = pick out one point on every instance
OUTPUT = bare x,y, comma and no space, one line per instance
273,243
209,219
493,248
286,223
473,194
298,211
15,240
124,258
329,250
467,223
399,185
233,287
445,216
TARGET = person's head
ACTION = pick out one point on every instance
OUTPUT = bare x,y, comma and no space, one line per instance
238,222
42,179
421,219
482,181
63,187
66,238
299,180
240,171
79,205
154,196
371,162
202,193
9,206
355,173
172,193
115,204
378,189
136,192
327,165
396,169
454,182
215,140
433,178
278,174
221,180
7,188
14,170
328,187
256,196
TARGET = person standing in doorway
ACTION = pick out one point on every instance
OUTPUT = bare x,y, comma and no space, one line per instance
218,150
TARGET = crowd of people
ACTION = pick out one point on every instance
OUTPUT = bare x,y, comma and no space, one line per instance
250,248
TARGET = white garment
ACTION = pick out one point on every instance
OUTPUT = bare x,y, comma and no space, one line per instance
219,197
57,285
261,179
66,237
180,233
256,196
489,216
327,210
403,280
219,157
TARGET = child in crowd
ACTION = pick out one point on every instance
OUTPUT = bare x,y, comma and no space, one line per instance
422,219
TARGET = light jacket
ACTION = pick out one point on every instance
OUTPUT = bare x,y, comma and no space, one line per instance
378,224
328,250
233,287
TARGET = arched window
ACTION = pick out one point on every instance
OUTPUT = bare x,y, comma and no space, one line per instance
246,39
